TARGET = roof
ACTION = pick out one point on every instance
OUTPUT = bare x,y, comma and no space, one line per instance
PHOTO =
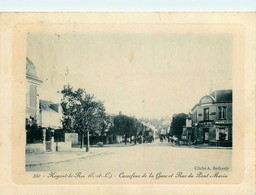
31,69
222,95
48,106
218,96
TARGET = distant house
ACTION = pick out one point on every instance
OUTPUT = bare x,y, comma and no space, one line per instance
50,114
32,96
187,133
212,118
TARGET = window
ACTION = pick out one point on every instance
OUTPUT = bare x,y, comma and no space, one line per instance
221,132
206,114
194,117
222,112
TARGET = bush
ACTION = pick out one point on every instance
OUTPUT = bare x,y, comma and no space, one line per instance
59,135
34,134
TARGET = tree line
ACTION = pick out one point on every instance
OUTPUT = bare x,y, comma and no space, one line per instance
128,127
84,114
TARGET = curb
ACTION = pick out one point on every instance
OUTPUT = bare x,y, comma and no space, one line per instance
61,161
198,147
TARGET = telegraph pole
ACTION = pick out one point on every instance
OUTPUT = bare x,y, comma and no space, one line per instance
88,141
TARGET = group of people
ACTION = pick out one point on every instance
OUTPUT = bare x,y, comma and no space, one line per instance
143,139
163,138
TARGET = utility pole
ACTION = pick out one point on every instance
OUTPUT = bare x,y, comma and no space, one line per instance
88,141
82,137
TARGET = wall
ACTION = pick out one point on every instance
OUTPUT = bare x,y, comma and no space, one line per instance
35,148
213,111
51,119
229,110
188,123
200,112
41,147
62,146
72,137
32,100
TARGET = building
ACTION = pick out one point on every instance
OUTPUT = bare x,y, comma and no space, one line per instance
46,115
187,133
50,114
151,128
32,96
212,118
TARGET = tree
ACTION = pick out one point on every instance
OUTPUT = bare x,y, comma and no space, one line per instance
103,119
82,113
34,133
120,126
178,121
126,126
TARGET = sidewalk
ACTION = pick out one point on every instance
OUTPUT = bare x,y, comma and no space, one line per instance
33,159
59,157
114,145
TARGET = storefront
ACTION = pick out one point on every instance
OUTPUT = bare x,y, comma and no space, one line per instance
212,119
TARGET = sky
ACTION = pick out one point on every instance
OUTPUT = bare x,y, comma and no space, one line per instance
150,75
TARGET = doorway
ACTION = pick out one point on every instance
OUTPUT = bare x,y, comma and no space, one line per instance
206,135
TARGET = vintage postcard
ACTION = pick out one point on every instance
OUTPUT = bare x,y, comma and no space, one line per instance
160,100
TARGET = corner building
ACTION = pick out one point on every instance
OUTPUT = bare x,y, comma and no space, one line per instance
212,119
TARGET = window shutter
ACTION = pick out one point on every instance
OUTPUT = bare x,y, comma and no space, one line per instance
217,134
226,132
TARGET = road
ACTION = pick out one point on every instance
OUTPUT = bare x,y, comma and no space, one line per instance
143,158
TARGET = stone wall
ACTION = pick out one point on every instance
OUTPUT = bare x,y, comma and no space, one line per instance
62,146
71,137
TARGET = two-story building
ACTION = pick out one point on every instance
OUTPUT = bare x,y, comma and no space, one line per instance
212,118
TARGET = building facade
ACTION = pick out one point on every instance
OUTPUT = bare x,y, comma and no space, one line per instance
32,96
212,119
187,133
50,115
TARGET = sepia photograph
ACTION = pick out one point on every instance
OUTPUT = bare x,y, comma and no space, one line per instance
125,101
129,103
